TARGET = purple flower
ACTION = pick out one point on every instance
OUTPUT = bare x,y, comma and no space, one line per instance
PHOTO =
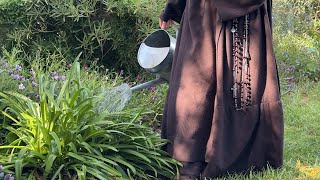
16,77
22,78
1,167
152,89
8,177
18,67
21,86
56,77
53,74
1,175
10,72
153,100
62,77
6,65
34,84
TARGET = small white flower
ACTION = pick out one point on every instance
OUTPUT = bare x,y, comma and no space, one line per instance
21,86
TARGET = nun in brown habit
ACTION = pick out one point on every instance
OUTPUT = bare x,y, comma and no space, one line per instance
223,112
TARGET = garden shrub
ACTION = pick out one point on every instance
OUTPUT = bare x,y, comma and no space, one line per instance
299,58
10,13
105,30
297,40
297,16
62,135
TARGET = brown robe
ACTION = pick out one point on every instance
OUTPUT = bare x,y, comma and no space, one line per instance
200,118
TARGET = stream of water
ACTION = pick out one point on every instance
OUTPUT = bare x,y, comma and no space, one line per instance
114,99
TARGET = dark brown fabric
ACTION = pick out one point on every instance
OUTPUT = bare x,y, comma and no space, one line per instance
199,117
174,10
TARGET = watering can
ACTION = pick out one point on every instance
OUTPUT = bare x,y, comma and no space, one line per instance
155,55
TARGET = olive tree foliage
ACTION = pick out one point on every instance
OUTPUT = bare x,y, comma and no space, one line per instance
107,31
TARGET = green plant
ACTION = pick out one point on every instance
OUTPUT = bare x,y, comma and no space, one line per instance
14,76
298,58
297,16
62,136
105,30
296,40
154,98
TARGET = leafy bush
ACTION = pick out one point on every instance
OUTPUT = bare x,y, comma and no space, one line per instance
300,58
62,135
104,30
297,16
297,40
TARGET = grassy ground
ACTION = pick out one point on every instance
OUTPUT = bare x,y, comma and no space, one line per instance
302,136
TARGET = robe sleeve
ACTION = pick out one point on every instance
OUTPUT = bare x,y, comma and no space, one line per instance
229,9
173,10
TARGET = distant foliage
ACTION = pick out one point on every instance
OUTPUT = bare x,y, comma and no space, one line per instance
298,16
108,31
297,39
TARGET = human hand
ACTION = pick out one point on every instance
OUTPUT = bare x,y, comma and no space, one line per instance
164,24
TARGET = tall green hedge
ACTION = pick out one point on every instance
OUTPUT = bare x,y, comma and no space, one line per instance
108,31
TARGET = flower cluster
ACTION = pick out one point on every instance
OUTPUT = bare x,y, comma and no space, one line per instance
17,74
16,77
23,80
153,91
55,76
5,177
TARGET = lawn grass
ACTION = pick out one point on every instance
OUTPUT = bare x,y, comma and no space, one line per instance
302,136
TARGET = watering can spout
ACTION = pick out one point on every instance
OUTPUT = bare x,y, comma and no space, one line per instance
148,84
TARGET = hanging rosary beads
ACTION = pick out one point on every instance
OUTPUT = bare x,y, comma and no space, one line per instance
241,65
